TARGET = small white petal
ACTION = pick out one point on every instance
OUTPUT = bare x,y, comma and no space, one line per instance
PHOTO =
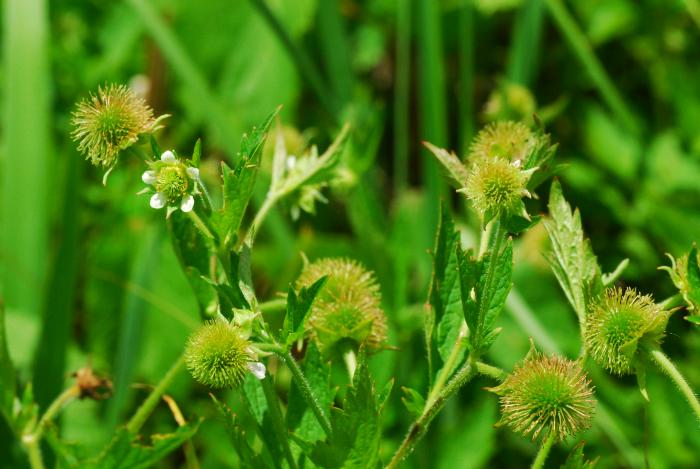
193,173
187,203
258,369
168,157
149,177
158,200
291,162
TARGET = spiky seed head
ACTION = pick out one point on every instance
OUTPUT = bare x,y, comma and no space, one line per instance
495,186
218,356
544,395
504,139
348,307
109,122
620,325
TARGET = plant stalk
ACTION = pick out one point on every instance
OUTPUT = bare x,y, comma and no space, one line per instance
146,408
306,391
670,369
418,429
277,421
542,454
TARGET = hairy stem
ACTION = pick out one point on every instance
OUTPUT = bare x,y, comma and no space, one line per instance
670,369
146,408
490,371
269,202
542,454
31,440
199,223
277,420
306,391
418,429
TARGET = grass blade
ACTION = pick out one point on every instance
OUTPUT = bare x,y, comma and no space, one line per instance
523,57
402,90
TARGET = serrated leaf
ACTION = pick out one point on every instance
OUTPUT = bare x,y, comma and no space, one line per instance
576,459
451,163
193,253
298,307
357,431
248,456
693,276
238,183
413,400
571,258
444,295
126,450
300,417
490,281
257,404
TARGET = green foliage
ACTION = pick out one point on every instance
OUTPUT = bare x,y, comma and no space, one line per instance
571,258
298,309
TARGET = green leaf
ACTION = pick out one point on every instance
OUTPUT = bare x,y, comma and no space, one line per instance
571,257
693,276
356,428
298,307
455,168
413,400
124,451
239,182
576,459
193,253
300,417
444,292
197,153
238,438
7,371
254,395
491,280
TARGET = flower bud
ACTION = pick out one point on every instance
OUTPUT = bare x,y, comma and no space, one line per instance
348,307
110,122
218,356
619,324
545,395
507,140
496,186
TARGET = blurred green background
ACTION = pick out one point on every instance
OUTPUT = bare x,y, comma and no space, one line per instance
89,276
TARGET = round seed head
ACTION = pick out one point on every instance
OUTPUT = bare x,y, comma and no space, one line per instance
495,186
348,307
546,394
110,121
217,356
504,139
617,324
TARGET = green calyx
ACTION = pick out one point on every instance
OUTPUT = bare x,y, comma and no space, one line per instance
620,326
545,395
172,180
110,122
218,356
348,308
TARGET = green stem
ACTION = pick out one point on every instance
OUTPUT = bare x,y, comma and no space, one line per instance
277,420
449,366
199,223
269,202
490,371
672,301
350,362
542,454
306,391
582,48
31,440
420,426
146,408
277,305
670,369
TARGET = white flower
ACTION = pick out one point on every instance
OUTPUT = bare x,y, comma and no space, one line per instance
257,369
173,182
